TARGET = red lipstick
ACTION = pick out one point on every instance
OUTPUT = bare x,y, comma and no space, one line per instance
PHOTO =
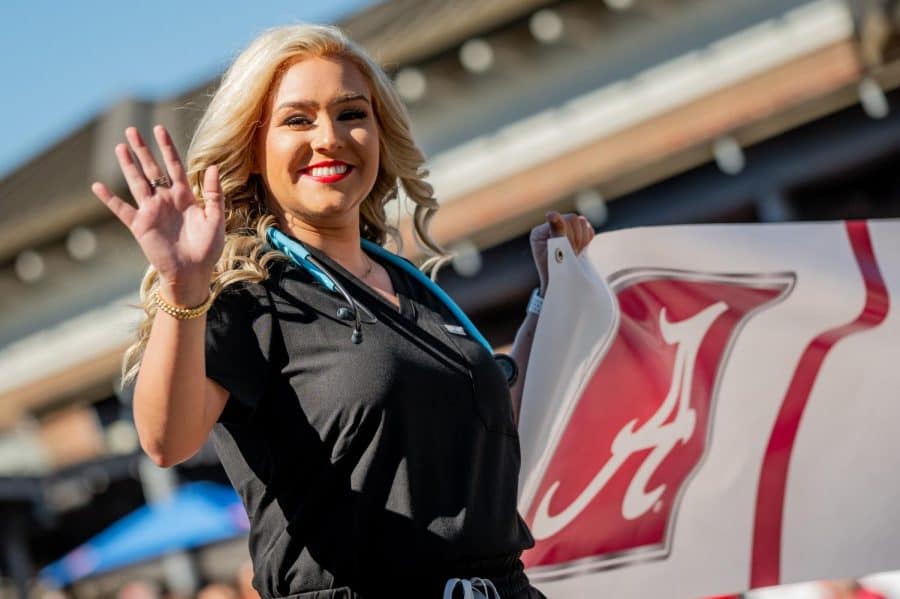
327,171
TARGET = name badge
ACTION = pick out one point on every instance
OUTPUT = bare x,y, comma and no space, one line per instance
455,329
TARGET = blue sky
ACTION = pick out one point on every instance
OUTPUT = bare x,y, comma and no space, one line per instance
62,62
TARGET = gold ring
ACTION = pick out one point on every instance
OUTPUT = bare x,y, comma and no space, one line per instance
163,181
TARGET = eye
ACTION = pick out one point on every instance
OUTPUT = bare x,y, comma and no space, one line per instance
298,120
353,114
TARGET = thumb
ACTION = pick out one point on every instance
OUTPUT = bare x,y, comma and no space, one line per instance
557,225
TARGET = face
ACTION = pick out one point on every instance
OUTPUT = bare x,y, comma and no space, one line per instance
318,147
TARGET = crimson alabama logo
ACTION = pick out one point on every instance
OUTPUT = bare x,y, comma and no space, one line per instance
640,422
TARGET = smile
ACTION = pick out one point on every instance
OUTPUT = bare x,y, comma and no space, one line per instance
327,172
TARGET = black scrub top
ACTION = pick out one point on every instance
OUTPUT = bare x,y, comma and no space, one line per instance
368,468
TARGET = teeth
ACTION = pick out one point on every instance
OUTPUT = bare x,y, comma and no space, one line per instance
327,171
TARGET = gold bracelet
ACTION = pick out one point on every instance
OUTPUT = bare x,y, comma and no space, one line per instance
179,312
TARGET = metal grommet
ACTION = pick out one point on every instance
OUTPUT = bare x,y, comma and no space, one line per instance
559,255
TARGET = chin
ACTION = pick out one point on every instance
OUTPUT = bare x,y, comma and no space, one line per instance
329,209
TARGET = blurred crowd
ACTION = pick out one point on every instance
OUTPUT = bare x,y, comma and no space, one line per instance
240,587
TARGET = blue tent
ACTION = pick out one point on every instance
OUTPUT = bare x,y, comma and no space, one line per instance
195,515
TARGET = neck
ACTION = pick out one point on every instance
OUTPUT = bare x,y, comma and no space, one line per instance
340,243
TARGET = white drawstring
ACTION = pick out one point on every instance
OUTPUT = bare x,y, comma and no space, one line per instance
473,588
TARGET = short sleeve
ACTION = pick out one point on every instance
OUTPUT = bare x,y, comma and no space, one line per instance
238,344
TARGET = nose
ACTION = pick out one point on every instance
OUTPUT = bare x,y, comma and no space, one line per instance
328,135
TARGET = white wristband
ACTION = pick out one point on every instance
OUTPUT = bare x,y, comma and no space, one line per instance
535,303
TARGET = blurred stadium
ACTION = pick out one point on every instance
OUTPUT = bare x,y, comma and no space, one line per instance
631,112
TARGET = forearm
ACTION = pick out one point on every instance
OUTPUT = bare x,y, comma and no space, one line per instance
521,351
579,233
169,399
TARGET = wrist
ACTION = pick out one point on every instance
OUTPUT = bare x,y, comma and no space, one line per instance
183,295
535,303
181,312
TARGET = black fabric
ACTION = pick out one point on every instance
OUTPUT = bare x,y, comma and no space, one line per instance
365,468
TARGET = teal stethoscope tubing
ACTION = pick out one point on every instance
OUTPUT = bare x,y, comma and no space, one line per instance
301,257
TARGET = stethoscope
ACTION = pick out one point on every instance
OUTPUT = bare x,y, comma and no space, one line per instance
300,256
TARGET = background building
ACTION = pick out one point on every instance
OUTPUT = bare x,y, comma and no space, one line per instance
632,112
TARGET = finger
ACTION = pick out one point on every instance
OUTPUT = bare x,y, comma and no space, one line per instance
569,231
170,155
557,224
575,232
589,227
123,211
212,193
134,177
143,153
588,231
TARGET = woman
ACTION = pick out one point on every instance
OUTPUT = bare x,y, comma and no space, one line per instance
372,439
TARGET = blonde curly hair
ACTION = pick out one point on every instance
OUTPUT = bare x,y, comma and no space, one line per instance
225,137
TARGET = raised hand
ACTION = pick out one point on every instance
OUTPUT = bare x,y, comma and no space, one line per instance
577,228
181,235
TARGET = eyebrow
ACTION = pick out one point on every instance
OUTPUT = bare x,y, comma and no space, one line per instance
341,99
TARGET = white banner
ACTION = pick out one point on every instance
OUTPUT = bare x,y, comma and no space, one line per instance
711,408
